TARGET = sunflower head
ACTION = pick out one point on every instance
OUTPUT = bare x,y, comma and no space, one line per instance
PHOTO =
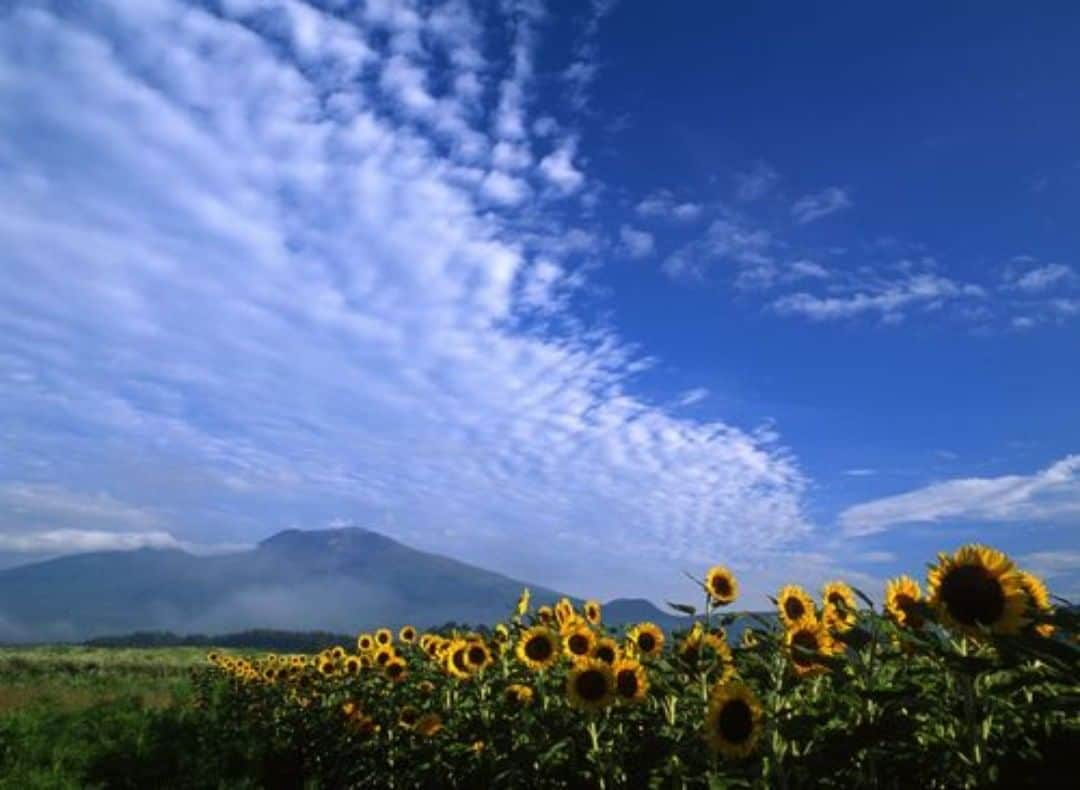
457,659
592,612
383,655
838,620
383,636
337,653
564,610
606,649
538,648
976,588
794,603
545,615
396,669
721,586
1038,600
749,638
408,716
579,641
478,656
590,685
352,665
901,595
631,680
428,725
646,640
733,721
518,695
407,634
808,641
522,603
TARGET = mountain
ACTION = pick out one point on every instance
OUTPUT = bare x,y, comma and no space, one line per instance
347,580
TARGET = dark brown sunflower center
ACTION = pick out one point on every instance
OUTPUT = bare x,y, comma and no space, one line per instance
972,595
578,644
807,641
646,641
721,586
459,658
627,683
836,599
395,670
382,658
591,685
538,648
477,655
735,722
605,653
409,716
794,608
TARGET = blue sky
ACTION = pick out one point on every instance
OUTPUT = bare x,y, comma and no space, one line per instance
588,293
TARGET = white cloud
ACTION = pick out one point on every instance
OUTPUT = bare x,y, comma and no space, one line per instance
637,243
820,204
1051,494
1038,278
860,472
269,296
662,203
558,167
799,270
889,298
504,189
692,396
50,503
727,240
755,183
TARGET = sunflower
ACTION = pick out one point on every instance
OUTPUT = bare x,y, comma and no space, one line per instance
794,604
501,634
977,587
901,595
631,680
579,641
716,647
383,655
590,685
337,653
407,634
408,716
426,688
428,725
523,603
749,638
366,661
538,648
689,647
545,615
352,665
519,695
326,666
213,657
564,610
457,660
384,636
811,635
592,612
478,657
733,721
721,586
606,649
647,640
839,602
396,669
1038,600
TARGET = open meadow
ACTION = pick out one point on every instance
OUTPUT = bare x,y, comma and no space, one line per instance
974,684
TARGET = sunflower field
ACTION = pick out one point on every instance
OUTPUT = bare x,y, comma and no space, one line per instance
971,681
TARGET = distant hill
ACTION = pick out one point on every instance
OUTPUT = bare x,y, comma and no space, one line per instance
340,580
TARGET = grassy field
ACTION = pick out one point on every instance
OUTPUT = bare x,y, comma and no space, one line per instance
75,717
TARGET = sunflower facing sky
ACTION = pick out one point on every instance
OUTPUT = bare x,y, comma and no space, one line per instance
721,585
977,588
631,680
901,595
794,603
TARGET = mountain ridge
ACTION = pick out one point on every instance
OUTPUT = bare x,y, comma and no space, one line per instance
342,579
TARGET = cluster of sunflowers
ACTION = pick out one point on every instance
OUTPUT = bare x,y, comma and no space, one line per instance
560,660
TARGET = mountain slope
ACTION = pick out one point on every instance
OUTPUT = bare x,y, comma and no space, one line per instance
336,580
